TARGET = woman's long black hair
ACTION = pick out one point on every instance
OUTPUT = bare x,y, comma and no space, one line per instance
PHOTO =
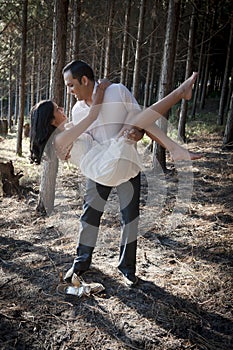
41,116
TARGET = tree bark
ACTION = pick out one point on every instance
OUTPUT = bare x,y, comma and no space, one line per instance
166,75
10,99
48,184
109,40
1,101
228,134
152,88
150,72
38,74
50,166
16,106
101,59
22,87
136,72
125,43
32,99
225,84
58,51
189,64
76,29
200,68
206,65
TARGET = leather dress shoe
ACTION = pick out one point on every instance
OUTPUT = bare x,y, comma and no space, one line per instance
129,278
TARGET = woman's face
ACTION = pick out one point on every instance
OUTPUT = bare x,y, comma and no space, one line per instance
59,116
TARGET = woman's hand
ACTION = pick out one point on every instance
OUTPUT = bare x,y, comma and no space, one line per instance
103,84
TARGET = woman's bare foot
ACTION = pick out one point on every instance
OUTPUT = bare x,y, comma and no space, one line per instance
185,88
194,156
180,153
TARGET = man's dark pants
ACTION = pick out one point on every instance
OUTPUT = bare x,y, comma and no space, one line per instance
94,202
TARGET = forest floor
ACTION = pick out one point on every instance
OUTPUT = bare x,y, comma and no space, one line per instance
184,261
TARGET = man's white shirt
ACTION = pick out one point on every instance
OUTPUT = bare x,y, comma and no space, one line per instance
117,103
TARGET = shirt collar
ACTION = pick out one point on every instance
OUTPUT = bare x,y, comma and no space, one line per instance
94,90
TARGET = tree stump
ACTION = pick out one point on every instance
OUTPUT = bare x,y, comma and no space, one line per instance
9,180
26,131
3,127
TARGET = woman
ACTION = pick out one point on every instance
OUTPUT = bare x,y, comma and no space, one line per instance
116,160
48,126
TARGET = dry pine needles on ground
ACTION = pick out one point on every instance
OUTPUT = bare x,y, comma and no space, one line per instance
184,299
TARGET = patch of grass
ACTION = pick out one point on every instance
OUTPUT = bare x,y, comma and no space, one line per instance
204,124
201,124
146,140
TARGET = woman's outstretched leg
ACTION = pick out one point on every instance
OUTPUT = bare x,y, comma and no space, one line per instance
176,151
146,120
155,111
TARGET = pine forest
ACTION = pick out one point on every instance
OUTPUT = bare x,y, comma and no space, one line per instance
183,298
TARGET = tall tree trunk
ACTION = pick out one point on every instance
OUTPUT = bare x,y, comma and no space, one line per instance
127,73
101,60
16,107
200,67
10,100
166,75
149,73
136,72
189,63
38,84
152,89
75,6
33,72
58,51
228,103
22,87
76,28
228,134
225,84
1,101
50,166
109,39
125,42
207,64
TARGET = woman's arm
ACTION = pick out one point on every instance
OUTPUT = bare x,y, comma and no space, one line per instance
64,140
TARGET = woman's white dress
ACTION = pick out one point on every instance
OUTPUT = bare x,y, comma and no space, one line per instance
109,163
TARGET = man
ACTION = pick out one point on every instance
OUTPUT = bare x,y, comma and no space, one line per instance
118,103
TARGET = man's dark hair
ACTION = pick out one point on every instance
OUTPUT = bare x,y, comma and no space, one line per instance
79,69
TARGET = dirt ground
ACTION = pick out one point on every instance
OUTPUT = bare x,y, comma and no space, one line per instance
184,261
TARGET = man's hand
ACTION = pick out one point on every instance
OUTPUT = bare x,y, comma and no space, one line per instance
134,134
68,152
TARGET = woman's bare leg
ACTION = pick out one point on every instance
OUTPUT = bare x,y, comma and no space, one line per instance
146,120
155,111
177,151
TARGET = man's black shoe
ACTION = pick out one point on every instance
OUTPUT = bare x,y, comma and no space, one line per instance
69,275
129,278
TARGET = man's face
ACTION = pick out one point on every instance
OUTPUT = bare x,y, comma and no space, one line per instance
74,87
